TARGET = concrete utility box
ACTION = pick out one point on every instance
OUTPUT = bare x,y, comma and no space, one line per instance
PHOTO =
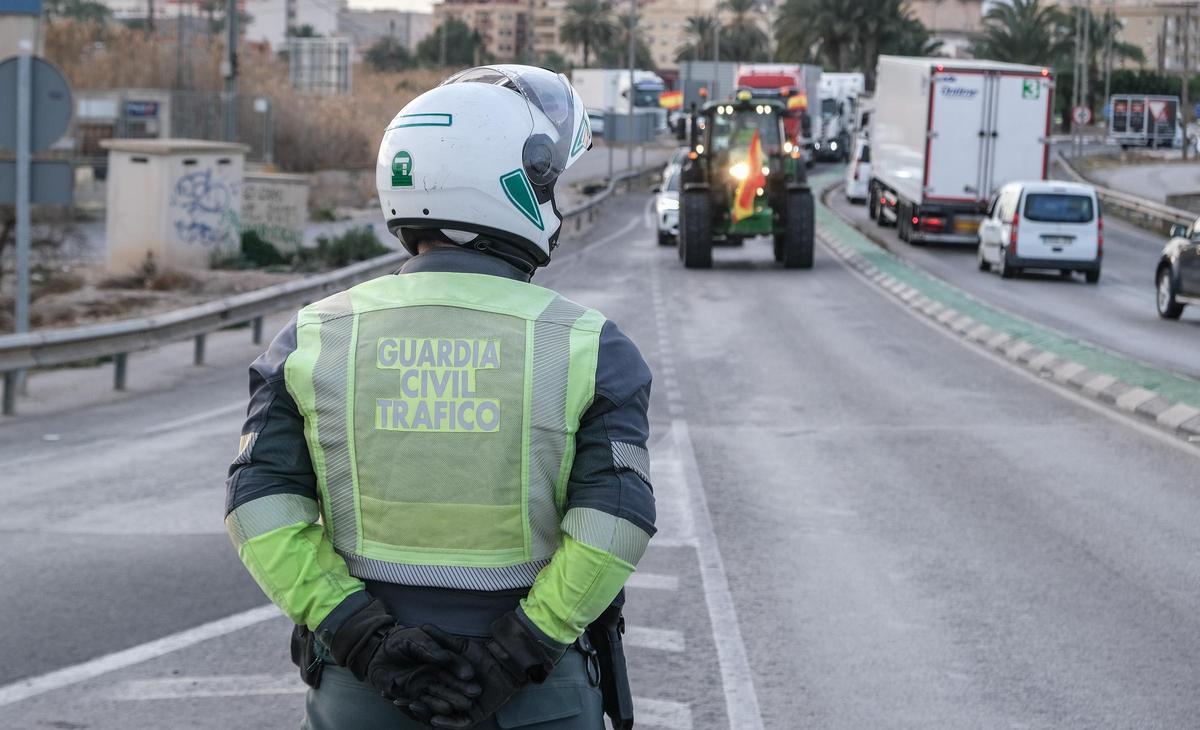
179,200
275,206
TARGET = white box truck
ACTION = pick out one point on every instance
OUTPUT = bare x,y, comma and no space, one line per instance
607,90
946,134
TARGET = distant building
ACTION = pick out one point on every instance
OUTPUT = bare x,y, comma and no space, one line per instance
503,25
271,19
367,27
320,65
1159,29
955,23
663,24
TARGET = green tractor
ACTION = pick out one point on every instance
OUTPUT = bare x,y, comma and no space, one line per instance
742,178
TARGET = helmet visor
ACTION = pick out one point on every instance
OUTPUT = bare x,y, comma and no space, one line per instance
548,92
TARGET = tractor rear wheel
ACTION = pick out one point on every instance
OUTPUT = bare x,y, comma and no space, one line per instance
695,230
794,244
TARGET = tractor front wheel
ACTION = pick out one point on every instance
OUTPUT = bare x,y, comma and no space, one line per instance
695,230
795,250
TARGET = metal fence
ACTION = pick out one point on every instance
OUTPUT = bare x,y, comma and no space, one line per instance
1148,213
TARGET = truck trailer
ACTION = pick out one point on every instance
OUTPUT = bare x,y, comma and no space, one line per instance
946,134
607,90
1143,120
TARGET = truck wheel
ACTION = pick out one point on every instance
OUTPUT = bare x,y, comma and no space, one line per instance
797,233
695,231
1003,268
1092,277
872,202
664,238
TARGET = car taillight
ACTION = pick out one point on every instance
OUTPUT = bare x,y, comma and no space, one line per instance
1099,236
1012,236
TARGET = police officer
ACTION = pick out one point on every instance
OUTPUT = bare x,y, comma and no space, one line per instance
442,479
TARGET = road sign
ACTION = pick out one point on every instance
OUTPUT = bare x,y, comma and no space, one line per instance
51,101
1081,115
51,182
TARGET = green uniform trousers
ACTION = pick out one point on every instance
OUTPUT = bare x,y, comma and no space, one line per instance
569,699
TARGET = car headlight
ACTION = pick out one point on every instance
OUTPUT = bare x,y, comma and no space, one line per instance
740,171
665,204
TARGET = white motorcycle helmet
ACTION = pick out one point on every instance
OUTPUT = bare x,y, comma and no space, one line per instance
475,161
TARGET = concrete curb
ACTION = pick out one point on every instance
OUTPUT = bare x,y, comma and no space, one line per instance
1179,419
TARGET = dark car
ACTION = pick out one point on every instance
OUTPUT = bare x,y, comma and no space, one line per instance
1178,274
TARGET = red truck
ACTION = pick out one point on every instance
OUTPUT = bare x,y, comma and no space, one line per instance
798,85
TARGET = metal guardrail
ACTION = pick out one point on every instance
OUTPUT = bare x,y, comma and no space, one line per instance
47,348
1162,217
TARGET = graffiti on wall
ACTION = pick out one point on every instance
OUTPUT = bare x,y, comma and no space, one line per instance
204,208
277,210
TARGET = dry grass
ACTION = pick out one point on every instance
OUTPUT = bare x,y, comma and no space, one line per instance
311,132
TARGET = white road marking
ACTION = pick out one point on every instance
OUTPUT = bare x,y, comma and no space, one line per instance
662,713
231,685
33,686
197,417
741,701
655,639
652,581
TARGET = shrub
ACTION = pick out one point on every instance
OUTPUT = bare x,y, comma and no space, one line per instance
356,244
259,253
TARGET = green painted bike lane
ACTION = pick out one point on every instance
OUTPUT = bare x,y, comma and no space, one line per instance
1165,384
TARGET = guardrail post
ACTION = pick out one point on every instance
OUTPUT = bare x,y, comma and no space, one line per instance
119,361
11,379
198,350
256,330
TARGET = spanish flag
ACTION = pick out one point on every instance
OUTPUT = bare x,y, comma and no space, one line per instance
670,99
747,190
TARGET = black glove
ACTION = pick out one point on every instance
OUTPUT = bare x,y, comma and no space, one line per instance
513,657
404,664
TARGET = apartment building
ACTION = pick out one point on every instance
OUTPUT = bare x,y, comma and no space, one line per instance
1161,29
503,25
367,27
955,23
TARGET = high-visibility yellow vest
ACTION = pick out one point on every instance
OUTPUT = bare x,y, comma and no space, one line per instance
440,412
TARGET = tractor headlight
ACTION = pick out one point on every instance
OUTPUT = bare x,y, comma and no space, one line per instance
664,204
740,171
833,146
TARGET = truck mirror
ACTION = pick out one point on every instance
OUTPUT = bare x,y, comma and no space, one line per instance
1178,231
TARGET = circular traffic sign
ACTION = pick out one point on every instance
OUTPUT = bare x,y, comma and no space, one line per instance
1081,114
51,103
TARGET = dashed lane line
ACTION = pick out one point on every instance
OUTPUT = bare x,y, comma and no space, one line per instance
737,680
33,686
650,712
644,637
652,581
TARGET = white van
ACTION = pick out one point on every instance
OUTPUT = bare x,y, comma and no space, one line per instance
1045,224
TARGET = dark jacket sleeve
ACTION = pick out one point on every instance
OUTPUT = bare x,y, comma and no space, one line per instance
609,516
272,503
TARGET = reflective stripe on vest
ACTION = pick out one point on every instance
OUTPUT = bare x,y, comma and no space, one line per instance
440,412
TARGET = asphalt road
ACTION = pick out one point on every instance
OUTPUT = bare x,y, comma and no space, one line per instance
863,523
1117,313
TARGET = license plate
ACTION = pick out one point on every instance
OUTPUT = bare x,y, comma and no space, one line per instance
1057,240
966,225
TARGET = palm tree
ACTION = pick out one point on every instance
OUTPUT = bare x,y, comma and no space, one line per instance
698,34
1024,32
809,31
615,54
588,24
742,35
